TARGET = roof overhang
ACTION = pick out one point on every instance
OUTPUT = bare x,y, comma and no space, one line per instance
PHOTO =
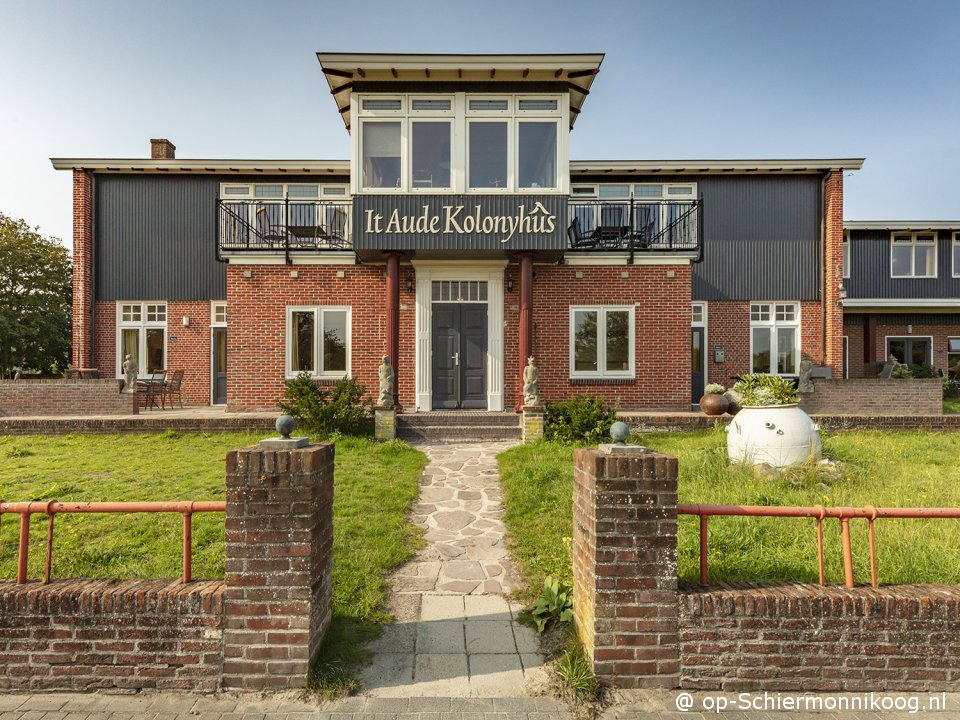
717,167
903,225
905,304
224,167
342,70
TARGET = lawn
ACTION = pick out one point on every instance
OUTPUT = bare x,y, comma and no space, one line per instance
906,469
951,405
378,480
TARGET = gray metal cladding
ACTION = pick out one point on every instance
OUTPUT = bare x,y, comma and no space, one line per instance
155,238
460,222
870,270
761,238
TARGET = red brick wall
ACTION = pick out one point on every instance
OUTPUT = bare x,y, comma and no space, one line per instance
82,269
833,270
808,638
64,397
873,396
661,328
94,634
937,326
728,325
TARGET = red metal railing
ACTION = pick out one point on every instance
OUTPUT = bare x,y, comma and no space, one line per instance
819,513
54,507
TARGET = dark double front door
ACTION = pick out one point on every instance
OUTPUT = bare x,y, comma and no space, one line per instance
459,356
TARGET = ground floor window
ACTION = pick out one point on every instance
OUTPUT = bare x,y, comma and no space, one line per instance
775,338
953,357
318,341
910,350
142,334
601,342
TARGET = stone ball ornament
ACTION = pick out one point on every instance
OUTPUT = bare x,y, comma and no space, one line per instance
619,431
285,425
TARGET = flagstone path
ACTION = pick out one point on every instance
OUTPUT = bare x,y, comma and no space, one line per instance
456,633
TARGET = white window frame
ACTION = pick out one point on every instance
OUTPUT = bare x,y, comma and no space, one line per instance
321,191
888,338
142,325
913,244
460,116
954,244
601,372
702,322
215,319
845,257
318,311
773,324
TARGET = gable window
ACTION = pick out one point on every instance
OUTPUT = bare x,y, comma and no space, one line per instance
538,154
774,338
318,341
601,342
142,334
846,254
489,158
913,255
955,254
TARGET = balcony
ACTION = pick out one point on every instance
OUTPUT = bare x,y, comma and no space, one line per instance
635,226
271,227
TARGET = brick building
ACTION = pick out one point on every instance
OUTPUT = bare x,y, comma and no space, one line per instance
458,239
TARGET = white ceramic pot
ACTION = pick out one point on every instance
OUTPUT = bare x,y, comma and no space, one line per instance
778,435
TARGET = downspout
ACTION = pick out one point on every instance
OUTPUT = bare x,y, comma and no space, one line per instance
823,272
93,268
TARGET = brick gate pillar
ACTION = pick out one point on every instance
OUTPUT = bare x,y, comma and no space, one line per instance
625,564
279,550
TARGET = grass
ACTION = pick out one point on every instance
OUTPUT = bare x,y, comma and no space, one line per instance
907,469
951,405
372,480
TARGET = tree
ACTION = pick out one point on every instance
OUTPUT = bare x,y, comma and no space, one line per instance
35,298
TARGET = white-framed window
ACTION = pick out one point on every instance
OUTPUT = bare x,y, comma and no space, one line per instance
142,334
318,340
913,254
955,254
698,314
846,254
953,357
655,207
602,341
460,142
775,338
280,191
218,314
911,349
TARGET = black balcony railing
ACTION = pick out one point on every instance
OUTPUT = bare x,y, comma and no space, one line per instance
282,226
636,225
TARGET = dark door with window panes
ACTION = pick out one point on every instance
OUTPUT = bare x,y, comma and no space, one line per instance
459,331
697,364
219,366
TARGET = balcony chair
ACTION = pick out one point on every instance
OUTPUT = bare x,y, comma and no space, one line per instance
578,238
334,233
268,232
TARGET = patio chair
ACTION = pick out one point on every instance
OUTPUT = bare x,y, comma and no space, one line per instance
269,232
335,231
150,390
579,239
171,387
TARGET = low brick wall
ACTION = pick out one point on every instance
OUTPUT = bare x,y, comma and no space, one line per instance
146,422
89,634
644,423
64,397
873,396
806,637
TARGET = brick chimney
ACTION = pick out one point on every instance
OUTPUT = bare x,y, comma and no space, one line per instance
162,149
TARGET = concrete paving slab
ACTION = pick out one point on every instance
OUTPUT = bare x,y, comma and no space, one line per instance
442,636
496,675
528,640
487,607
397,638
490,637
441,607
388,670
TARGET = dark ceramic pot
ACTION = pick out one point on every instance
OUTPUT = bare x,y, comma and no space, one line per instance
714,404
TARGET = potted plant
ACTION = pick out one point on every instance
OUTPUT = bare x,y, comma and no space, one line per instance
714,402
771,428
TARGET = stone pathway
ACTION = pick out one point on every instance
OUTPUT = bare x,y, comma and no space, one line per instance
456,634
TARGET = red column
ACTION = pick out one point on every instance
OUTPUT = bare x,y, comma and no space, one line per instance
393,320
525,329
870,341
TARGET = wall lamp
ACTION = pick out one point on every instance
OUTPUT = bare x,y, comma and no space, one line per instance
510,284
186,321
409,284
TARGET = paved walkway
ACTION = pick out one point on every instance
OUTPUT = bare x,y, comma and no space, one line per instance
456,634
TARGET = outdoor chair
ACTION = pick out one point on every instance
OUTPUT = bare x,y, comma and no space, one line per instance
149,391
579,239
171,387
335,231
269,232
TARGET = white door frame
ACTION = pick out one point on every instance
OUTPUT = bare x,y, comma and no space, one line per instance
489,271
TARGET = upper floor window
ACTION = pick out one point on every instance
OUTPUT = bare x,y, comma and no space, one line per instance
279,191
955,254
846,253
913,255
460,143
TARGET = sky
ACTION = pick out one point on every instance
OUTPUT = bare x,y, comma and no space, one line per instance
681,79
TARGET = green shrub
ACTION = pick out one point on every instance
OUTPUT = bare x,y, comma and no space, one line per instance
923,371
760,390
555,605
580,419
901,372
951,387
320,412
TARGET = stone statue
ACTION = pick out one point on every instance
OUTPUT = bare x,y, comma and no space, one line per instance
806,368
130,371
531,383
887,372
386,383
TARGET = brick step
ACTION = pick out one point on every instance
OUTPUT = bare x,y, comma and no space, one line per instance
476,433
458,419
